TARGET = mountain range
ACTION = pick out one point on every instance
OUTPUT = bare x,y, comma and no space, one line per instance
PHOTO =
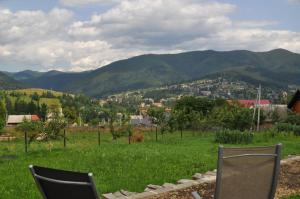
276,68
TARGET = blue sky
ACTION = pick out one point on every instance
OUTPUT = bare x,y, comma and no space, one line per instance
76,35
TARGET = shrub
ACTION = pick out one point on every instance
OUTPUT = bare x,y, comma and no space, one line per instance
293,118
234,137
137,137
268,134
287,127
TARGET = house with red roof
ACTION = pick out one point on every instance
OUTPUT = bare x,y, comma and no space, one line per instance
252,103
14,120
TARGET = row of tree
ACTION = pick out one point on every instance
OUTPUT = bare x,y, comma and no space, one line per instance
202,114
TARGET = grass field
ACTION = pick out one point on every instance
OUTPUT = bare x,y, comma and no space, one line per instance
50,102
115,164
39,91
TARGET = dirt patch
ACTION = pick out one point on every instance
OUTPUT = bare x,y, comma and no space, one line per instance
289,180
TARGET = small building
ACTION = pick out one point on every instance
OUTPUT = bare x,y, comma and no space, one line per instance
137,120
252,103
294,104
14,120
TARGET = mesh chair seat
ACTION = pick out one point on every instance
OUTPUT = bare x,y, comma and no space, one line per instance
247,173
60,184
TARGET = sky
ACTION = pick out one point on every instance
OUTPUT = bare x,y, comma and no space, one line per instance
79,35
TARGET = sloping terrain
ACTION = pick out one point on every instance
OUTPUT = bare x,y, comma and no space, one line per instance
277,68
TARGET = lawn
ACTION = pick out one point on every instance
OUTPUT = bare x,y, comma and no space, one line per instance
116,164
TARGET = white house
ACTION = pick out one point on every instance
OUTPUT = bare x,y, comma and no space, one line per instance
140,120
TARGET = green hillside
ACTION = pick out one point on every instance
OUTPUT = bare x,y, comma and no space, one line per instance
7,82
276,68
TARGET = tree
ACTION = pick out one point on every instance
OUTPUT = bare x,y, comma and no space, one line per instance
233,117
189,110
35,96
158,117
31,108
70,114
9,105
2,115
52,130
181,119
43,111
111,114
190,103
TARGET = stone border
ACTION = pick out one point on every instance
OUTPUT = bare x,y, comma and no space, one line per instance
160,191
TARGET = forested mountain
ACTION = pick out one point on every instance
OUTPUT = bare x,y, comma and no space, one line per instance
7,82
277,68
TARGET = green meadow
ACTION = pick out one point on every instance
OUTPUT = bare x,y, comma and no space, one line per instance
116,164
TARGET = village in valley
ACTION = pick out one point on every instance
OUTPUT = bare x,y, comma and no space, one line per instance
138,102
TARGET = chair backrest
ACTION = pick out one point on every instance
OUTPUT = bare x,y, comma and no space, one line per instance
247,173
59,184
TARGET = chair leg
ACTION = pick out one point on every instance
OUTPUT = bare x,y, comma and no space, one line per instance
196,195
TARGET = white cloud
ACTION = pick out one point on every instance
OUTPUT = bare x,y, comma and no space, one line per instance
75,3
159,23
55,40
294,1
255,23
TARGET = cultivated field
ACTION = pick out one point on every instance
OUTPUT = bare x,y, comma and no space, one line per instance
116,164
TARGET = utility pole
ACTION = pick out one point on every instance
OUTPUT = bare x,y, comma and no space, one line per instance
254,113
258,112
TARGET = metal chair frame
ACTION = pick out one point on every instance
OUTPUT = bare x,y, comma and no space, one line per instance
36,177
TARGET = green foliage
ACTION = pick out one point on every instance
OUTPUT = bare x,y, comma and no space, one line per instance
233,117
227,136
275,116
159,118
28,126
287,127
293,118
193,104
2,115
70,114
43,112
194,113
54,127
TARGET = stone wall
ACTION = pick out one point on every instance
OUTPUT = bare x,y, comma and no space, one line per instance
289,183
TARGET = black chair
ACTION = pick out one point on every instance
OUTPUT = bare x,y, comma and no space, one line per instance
247,173
59,184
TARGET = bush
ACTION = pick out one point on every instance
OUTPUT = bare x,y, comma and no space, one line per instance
293,118
234,137
287,127
137,137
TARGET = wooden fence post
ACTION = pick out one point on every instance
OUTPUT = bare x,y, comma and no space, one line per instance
156,132
99,136
65,138
26,142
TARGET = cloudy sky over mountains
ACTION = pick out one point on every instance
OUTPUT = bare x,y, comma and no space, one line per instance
76,35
